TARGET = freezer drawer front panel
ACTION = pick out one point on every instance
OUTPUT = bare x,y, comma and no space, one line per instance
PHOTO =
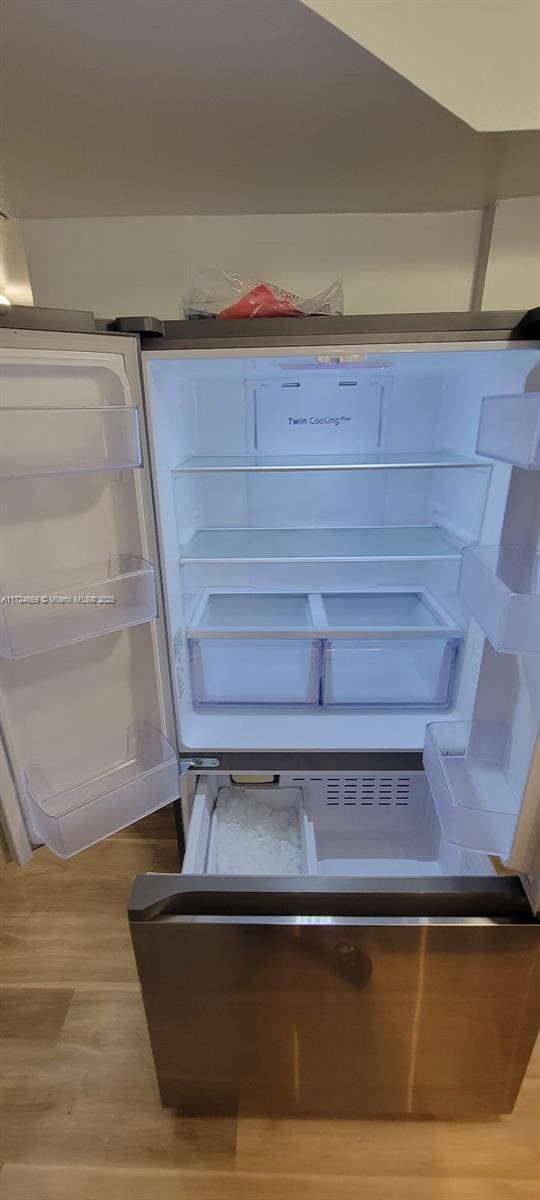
328,1016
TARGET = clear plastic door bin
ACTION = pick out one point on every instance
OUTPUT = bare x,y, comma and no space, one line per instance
112,596
510,429
55,441
68,819
501,588
466,765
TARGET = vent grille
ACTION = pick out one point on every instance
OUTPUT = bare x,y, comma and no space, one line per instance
368,791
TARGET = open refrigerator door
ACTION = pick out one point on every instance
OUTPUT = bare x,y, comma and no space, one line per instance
88,740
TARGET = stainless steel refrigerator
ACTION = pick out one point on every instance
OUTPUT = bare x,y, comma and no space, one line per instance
290,568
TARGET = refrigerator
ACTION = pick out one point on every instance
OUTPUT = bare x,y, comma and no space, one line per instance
287,572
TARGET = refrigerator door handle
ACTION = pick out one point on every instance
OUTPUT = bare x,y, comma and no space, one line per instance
233,899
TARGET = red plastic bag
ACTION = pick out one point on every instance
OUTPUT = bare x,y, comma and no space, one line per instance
261,301
221,294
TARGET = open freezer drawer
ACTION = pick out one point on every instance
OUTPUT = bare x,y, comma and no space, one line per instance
337,997
319,993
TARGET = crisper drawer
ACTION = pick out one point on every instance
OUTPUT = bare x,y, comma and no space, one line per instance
267,671
389,672
373,648
337,997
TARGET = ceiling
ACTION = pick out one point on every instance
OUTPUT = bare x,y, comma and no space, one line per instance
134,107
481,60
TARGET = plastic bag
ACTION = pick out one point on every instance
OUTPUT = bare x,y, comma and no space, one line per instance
223,295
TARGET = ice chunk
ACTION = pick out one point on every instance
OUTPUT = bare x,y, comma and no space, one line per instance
254,839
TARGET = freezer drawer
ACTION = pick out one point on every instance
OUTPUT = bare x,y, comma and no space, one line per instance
337,997
370,823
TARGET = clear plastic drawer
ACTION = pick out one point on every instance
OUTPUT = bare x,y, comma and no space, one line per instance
267,671
415,672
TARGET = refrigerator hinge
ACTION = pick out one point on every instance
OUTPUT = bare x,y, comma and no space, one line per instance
197,764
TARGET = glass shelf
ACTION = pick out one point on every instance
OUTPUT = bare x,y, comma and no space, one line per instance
220,613
510,429
384,460
249,612
70,819
466,768
390,611
501,588
62,610
319,545
56,441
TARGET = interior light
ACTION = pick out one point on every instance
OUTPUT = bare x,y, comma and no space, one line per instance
356,360
366,361
4,300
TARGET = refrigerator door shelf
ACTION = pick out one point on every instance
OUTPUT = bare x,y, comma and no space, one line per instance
64,610
57,441
501,587
63,376
71,819
466,765
366,543
510,429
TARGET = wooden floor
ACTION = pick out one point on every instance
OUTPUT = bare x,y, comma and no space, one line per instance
80,1115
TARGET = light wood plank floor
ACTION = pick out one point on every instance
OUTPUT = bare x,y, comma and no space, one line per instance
80,1116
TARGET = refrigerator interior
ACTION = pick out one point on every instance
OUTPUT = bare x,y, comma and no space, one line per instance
314,511
286,481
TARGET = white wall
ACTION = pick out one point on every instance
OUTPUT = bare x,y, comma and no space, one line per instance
14,281
513,274
390,263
